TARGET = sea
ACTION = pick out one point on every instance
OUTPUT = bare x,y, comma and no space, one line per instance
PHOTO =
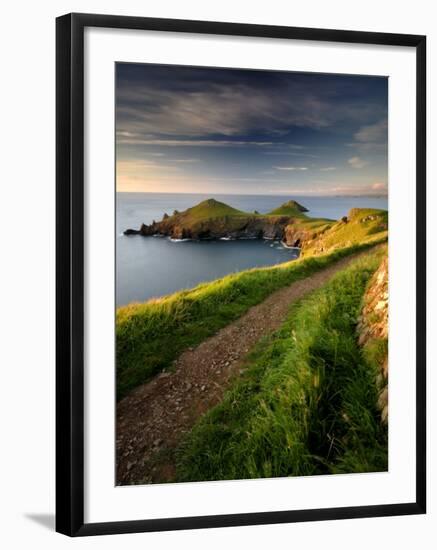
150,267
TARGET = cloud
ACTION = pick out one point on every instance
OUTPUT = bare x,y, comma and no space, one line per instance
133,174
291,168
195,142
379,186
357,162
355,190
372,138
201,123
133,170
195,102
369,148
374,133
183,160
323,190
218,110
291,154
142,165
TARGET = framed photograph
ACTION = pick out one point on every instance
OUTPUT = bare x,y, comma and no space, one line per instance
240,274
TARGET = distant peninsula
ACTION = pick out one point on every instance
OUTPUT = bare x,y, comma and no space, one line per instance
212,220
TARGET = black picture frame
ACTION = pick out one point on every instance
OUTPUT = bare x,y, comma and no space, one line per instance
70,273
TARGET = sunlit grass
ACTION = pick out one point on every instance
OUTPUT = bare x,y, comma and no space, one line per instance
151,335
361,224
306,403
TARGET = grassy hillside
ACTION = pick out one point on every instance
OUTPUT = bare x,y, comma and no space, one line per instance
306,403
360,225
212,209
150,335
212,219
209,209
290,208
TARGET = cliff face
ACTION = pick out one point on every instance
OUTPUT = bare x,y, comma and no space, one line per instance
373,330
235,227
298,235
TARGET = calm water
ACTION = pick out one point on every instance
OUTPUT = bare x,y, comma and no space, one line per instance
154,266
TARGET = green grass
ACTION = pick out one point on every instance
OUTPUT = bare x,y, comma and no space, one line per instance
306,403
211,218
362,223
151,335
212,212
212,208
215,217
290,208
208,209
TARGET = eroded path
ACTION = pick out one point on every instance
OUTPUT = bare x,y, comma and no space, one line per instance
153,418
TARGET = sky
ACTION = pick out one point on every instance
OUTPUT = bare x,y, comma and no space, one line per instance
237,131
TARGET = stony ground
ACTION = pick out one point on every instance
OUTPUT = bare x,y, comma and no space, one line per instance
154,417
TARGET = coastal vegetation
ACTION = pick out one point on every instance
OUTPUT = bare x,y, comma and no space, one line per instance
289,208
150,335
266,356
306,402
310,398
358,226
212,219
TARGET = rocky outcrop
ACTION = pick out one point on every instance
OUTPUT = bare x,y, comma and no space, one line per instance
283,228
373,330
374,318
244,227
297,235
212,219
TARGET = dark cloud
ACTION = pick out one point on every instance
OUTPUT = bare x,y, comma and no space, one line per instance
185,101
228,123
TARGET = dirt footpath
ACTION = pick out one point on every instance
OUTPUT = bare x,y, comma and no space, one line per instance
153,418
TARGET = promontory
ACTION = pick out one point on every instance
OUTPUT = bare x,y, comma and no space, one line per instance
212,219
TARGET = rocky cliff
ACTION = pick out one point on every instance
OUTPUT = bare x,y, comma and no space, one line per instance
236,227
373,330
212,219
